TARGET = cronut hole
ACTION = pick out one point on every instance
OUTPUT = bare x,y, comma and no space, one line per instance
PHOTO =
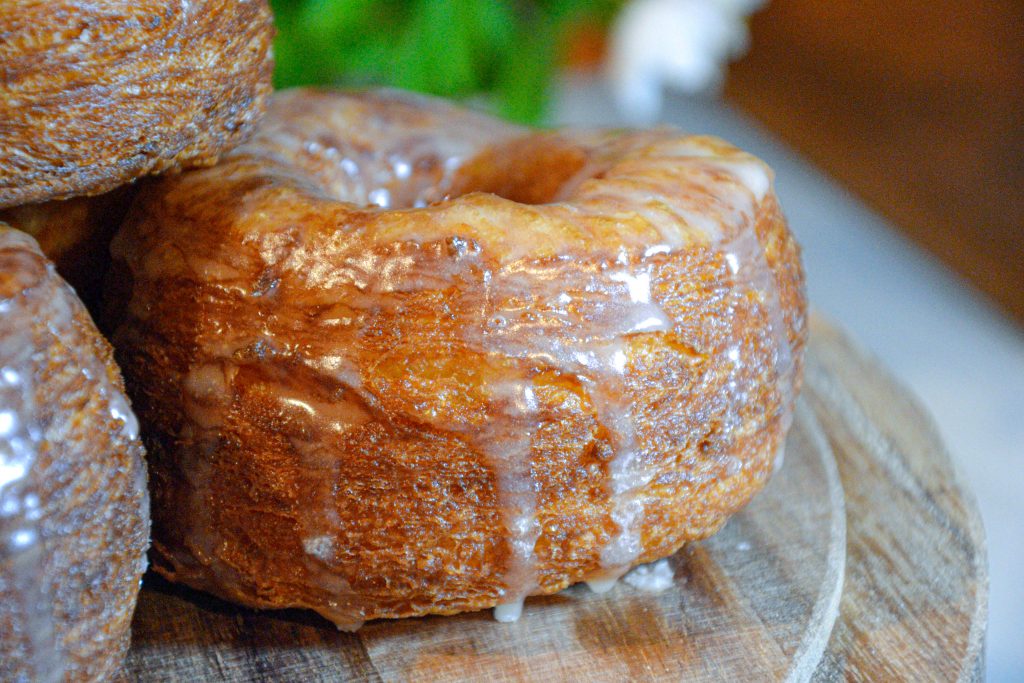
532,170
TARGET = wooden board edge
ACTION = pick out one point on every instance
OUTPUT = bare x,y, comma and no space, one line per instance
826,608
852,366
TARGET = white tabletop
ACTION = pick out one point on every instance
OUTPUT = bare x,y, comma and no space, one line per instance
962,358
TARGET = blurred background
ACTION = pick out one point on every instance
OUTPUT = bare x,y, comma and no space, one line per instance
917,106
896,130
502,54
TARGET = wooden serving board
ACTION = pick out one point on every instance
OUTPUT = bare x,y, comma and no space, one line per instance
863,558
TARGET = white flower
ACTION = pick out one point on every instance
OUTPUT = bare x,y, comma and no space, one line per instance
681,44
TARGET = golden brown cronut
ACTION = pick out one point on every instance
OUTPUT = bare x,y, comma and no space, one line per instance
372,387
97,94
74,510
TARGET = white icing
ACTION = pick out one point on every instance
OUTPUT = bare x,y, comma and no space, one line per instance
508,612
638,285
321,547
752,173
753,271
22,559
727,224
122,412
12,471
654,577
506,443
601,585
612,304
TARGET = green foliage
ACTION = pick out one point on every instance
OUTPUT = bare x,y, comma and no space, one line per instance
503,50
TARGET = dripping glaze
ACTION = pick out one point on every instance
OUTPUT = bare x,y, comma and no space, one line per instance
571,302
21,547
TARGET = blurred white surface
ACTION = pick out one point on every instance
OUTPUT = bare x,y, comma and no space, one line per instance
963,359
673,44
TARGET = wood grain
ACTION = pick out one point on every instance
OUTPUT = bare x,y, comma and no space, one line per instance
915,599
885,581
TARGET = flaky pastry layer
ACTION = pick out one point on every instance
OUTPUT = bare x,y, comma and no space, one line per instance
395,358
74,509
98,94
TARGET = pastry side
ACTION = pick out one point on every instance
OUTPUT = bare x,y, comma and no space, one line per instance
393,358
98,94
74,508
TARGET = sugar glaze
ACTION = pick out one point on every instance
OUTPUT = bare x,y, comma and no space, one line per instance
39,444
570,289
21,437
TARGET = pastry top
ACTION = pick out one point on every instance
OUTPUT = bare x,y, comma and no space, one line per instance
74,508
602,191
398,358
95,95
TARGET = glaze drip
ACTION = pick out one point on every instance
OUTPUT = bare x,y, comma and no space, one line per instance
651,578
21,548
22,557
434,300
577,320
748,263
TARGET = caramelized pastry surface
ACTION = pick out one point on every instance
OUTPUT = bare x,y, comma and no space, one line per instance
395,358
74,510
97,94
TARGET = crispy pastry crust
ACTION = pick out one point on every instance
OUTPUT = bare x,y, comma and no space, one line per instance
98,94
384,412
74,509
